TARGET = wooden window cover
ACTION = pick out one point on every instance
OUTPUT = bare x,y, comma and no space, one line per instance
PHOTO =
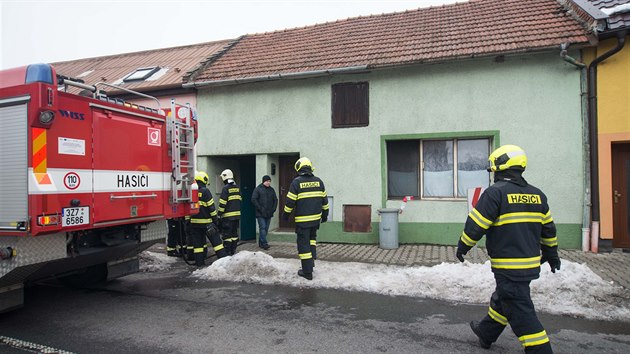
357,218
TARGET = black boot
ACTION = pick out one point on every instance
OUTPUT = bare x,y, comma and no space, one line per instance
474,325
308,276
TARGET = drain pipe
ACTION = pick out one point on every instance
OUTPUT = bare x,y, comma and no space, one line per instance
593,139
586,213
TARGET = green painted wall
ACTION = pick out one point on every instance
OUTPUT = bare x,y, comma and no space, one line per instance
569,235
532,101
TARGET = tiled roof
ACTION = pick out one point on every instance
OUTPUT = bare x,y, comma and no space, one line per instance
618,19
174,63
462,30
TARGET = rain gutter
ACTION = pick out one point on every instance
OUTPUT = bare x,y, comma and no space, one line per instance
289,76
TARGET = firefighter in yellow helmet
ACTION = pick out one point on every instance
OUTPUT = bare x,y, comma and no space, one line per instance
515,217
307,196
203,224
230,211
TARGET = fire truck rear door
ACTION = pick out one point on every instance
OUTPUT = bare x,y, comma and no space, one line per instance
129,181
13,162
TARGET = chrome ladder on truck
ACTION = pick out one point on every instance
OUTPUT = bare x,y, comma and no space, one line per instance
181,136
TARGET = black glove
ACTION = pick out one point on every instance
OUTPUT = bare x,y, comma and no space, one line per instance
324,219
554,261
460,255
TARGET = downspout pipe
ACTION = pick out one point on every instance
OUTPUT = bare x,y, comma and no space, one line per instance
586,210
593,139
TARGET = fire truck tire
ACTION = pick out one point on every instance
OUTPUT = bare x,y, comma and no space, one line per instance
86,277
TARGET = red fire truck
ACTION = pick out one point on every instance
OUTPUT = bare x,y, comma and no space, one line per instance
87,182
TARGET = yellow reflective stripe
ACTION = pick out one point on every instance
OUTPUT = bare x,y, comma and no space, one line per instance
530,340
325,194
232,213
497,316
467,240
198,250
218,247
287,209
305,195
308,255
479,219
325,207
551,241
189,247
547,218
171,248
200,221
516,263
206,204
234,197
231,239
512,218
306,218
222,201
221,209
291,196
213,213
313,243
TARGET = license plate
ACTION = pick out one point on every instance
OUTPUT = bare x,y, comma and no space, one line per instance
75,216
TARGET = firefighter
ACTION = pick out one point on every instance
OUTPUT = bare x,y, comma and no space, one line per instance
307,196
515,217
203,224
175,237
230,211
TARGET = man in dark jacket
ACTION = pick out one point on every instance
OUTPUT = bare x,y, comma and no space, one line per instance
516,219
265,201
307,195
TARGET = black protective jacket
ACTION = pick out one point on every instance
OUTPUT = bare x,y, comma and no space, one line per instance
265,201
307,195
230,202
516,219
207,213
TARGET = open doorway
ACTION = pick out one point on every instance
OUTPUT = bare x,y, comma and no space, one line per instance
244,169
286,174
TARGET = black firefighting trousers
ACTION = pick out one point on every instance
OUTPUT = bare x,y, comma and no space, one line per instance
511,303
199,250
175,240
229,231
307,247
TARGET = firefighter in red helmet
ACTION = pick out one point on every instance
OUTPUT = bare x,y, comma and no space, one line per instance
515,217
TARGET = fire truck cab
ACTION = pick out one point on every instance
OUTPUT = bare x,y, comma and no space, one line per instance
86,182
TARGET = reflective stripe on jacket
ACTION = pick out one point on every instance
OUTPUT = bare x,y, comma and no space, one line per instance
307,196
516,219
230,202
207,212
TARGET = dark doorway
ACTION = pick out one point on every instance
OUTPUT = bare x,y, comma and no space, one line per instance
286,174
247,166
621,200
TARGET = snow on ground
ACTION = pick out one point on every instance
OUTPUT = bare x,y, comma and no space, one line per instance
575,290
155,262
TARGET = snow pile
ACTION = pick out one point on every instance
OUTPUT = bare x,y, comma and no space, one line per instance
575,290
155,262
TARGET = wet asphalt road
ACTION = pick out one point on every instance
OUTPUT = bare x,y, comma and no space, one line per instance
173,313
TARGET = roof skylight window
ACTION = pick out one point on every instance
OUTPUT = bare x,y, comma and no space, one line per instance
141,74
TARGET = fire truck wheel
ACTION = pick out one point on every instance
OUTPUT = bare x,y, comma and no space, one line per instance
86,277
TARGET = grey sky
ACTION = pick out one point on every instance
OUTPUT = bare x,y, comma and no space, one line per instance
48,31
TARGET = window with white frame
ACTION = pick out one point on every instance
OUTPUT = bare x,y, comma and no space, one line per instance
141,74
436,168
